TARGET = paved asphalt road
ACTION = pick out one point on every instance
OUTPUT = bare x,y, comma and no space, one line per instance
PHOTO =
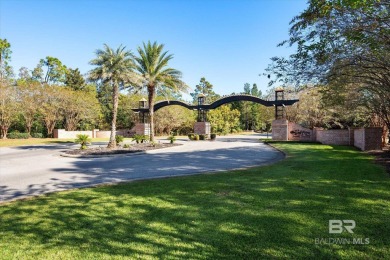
33,170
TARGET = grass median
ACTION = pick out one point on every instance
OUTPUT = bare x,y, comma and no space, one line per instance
281,210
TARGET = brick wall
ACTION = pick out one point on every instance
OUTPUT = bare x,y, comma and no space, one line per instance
336,137
369,138
299,133
63,134
103,134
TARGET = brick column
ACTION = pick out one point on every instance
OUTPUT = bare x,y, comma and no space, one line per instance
202,128
59,133
351,135
280,130
94,133
142,129
372,138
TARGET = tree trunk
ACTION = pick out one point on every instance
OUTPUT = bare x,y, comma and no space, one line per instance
1,64
29,123
50,128
115,96
70,123
151,95
4,132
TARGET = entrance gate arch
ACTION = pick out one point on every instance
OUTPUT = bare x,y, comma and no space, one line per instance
202,126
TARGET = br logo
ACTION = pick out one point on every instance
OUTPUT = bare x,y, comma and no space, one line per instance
337,226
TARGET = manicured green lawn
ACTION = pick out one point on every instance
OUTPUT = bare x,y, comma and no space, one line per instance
34,141
265,212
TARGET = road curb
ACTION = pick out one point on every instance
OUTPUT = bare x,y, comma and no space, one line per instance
270,145
64,154
101,155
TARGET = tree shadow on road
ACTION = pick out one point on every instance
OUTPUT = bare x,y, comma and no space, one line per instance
92,171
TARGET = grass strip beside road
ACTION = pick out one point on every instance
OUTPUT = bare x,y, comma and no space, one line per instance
265,212
39,141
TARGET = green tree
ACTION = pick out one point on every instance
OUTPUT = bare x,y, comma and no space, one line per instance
247,88
51,106
9,106
5,58
55,71
168,93
340,43
126,118
349,107
246,114
260,115
37,73
248,109
174,119
104,94
24,74
115,68
31,101
255,91
224,120
309,111
206,88
74,79
152,64
79,105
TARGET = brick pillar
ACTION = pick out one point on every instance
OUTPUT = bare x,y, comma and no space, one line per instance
202,128
59,133
280,130
142,129
94,133
372,138
351,135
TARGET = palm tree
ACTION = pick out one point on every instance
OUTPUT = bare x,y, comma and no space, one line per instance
152,64
116,68
83,140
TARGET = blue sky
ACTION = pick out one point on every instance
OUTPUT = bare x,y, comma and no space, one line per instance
230,42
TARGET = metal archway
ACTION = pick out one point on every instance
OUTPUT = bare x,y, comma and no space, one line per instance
279,103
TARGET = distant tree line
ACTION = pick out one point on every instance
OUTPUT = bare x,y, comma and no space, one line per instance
52,95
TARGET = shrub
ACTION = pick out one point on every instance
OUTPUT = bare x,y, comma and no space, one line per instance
137,138
17,135
145,138
83,140
119,139
213,136
140,138
191,136
36,135
126,146
172,138
202,137
196,137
